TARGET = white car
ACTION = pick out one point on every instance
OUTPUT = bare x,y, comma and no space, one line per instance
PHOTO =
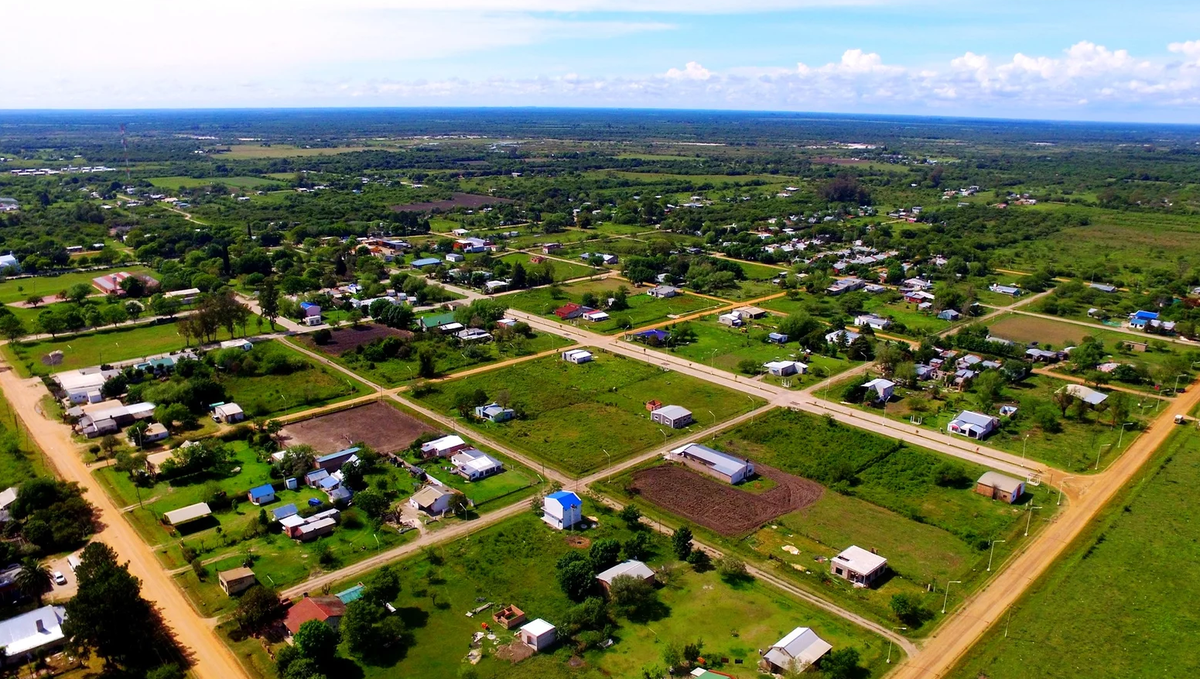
59,578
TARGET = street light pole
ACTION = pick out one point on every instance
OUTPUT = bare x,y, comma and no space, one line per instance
889,654
1122,435
946,600
1029,521
1023,442
993,553
1060,489
1098,451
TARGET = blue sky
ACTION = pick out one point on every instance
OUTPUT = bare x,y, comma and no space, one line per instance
1099,60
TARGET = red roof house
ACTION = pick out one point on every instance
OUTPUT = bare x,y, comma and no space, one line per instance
569,311
327,609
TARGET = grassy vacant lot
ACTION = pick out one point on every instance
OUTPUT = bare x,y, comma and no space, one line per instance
287,151
94,348
20,457
723,347
193,182
1101,612
1072,448
881,495
449,357
563,271
497,566
643,309
580,418
309,386
21,289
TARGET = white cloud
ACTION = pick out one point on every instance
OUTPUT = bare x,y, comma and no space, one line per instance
693,71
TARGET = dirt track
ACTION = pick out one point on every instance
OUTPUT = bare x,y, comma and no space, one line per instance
720,506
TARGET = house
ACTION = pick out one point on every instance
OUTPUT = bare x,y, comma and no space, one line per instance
7,497
1086,394
83,385
882,388
111,284
244,345
596,316
1103,287
538,635
876,322
796,652
184,515
652,336
997,486
470,335
777,338
1010,290
547,248
153,434
675,417
858,566
571,310
1042,356
509,617
841,337
236,580
731,319
334,461
186,296
663,291
917,284
432,500
426,262
785,368
228,413
845,285
973,425
306,528
949,315
314,478
9,264
34,634
262,495
751,312
474,465
726,467
443,447
432,321
326,609
924,371
280,513
309,310
562,509
918,297
494,412
631,569
577,356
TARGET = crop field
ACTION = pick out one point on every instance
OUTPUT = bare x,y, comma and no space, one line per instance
379,425
726,509
350,338
580,418
643,309
733,621
1100,612
308,386
194,182
563,271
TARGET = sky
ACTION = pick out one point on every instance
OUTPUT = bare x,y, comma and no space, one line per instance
1045,59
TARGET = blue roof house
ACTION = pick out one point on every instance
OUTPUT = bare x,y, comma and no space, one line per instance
280,513
262,495
562,509
427,261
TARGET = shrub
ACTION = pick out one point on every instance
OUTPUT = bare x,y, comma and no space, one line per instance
322,336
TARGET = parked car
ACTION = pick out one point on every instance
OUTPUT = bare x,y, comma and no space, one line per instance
59,578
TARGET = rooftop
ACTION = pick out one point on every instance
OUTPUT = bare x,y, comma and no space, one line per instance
722,462
860,560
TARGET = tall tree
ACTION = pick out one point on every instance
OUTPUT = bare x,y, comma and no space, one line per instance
268,300
33,579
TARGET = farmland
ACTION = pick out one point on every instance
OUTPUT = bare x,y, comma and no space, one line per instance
380,425
1099,612
733,621
643,309
580,418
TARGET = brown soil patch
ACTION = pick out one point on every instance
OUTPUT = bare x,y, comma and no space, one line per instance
467,200
514,652
578,541
719,506
378,425
348,339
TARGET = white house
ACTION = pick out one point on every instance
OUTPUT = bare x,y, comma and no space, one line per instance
228,413
473,465
443,447
675,417
663,291
858,566
800,649
785,368
841,337
538,635
973,425
726,467
876,322
882,389
35,633
1086,394
630,569
431,500
577,356
562,509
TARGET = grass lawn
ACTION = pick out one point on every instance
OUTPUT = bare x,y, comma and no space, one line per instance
102,346
261,395
916,323
1100,612
1074,448
512,480
20,458
580,418
495,565
723,347
449,358
643,309
563,271
194,182
288,151
21,289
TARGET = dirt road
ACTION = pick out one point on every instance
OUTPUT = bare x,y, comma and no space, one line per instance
212,660
943,650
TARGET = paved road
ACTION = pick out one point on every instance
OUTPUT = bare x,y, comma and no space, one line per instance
1088,496
212,659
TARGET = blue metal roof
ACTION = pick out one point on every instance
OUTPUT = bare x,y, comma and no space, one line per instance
566,498
341,453
1146,315
262,491
353,594
328,482
284,511
427,261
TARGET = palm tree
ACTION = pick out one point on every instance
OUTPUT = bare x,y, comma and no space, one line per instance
33,579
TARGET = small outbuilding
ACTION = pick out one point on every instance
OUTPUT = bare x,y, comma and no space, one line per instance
443,447
538,635
494,412
796,652
261,495
785,368
228,413
675,417
997,486
236,580
632,568
860,567
184,515
726,467
577,356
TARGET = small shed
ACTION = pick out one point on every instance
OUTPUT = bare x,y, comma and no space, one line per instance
236,580
228,413
632,568
183,515
997,486
538,635
261,495
796,652
577,356
857,565
675,417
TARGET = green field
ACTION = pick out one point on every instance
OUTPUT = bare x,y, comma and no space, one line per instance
733,621
1101,612
580,418
563,271
643,309
195,182
47,287
313,385
94,348
880,495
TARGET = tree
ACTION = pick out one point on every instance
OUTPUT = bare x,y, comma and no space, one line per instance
133,309
1063,399
114,314
604,554
268,300
1118,407
257,608
466,400
12,327
989,388
575,575
681,543
731,568
426,363
51,323
631,515
317,641
631,597
33,300
637,547
33,579
372,502
908,609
